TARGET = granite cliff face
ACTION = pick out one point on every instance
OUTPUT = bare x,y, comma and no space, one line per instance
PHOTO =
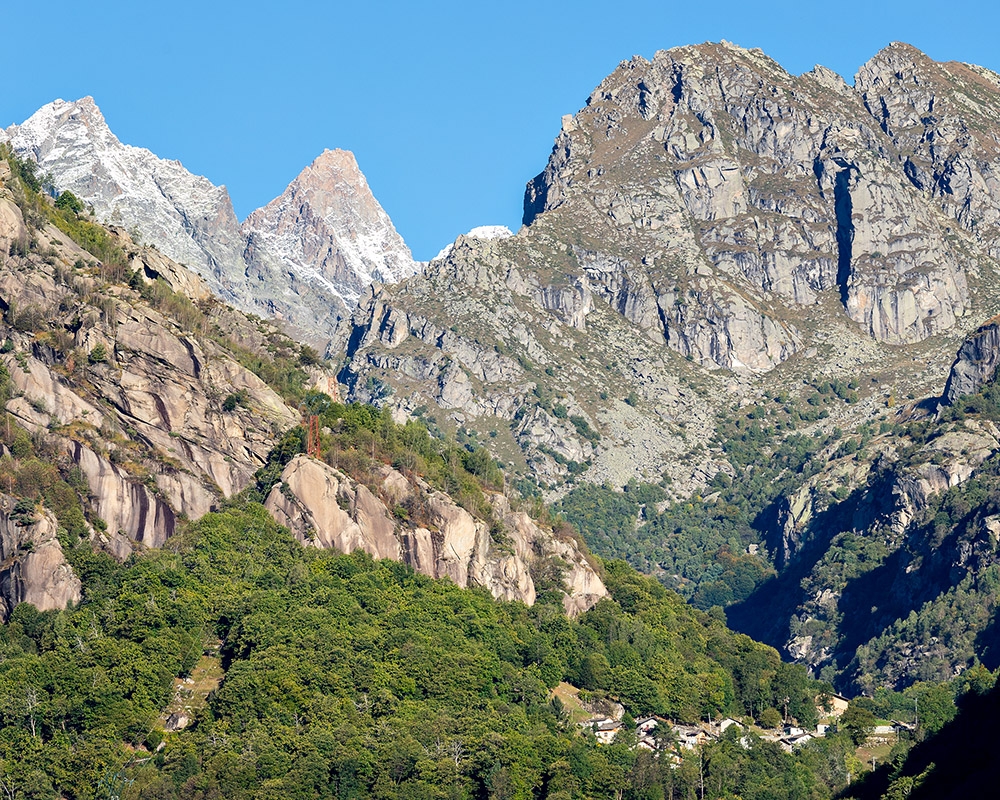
33,568
302,259
125,383
122,383
144,423
779,186
976,363
325,508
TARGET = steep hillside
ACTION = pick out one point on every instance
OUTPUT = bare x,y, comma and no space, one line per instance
144,423
888,554
135,400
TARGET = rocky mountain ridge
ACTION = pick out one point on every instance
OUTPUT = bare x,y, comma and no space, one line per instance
705,205
302,259
718,250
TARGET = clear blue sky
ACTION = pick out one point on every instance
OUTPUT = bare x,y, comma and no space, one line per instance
449,107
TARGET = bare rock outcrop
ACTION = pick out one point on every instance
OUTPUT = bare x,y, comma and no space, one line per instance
325,508
976,363
941,117
33,568
130,396
13,234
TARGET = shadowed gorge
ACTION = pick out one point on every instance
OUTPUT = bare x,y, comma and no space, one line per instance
844,208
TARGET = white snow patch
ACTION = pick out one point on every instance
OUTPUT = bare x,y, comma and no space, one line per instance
481,232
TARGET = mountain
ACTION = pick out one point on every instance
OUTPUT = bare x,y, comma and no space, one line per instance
136,402
737,296
198,591
302,259
747,340
184,215
324,240
708,205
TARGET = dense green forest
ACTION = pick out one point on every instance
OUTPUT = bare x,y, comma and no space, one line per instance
350,678
346,677
957,761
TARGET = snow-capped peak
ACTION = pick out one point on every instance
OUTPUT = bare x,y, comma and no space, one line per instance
304,258
480,232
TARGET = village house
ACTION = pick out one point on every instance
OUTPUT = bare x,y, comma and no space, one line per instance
690,736
728,722
605,730
645,725
833,704
793,742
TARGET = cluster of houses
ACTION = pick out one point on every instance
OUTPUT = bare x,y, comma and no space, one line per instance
657,734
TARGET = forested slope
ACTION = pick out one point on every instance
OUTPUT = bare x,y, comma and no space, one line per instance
346,677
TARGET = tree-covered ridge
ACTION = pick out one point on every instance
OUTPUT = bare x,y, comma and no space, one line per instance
913,607
347,677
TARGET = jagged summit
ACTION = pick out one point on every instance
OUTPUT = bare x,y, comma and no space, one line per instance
694,152
40,126
303,259
190,219
328,229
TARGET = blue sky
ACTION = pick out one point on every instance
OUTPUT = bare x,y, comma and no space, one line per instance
449,107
